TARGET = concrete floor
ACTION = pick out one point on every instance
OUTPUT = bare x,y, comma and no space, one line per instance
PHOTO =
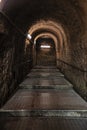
45,101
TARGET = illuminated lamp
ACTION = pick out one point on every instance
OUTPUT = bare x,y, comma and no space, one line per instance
29,36
45,46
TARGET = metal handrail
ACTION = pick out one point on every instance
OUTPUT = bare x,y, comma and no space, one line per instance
75,67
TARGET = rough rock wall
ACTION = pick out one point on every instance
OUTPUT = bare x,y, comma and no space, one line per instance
13,65
76,72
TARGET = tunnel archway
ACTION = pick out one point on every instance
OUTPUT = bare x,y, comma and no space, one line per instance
50,28
45,52
46,35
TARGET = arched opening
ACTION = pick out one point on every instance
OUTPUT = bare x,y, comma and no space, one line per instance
52,30
45,52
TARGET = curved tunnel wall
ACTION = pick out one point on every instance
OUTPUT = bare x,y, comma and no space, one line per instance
53,30
71,15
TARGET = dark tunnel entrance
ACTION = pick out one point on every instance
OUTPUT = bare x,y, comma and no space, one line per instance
45,52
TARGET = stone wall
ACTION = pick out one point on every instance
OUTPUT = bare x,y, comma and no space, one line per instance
13,65
77,56
75,68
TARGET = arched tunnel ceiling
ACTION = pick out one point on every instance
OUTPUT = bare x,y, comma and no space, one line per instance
26,12
49,28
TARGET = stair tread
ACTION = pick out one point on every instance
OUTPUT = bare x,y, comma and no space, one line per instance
24,99
43,123
44,100
44,82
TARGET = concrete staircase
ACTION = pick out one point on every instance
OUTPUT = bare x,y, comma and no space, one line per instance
45,100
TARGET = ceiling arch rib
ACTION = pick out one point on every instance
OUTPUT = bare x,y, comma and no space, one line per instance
51,28
48,25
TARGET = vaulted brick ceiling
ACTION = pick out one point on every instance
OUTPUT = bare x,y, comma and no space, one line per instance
25,12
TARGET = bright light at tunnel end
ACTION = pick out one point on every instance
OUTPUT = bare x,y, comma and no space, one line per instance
29,36
45,46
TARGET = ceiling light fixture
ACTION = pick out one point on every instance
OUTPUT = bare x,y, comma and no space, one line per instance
29,36
45,46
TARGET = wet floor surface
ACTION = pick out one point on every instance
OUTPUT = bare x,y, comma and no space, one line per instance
45,100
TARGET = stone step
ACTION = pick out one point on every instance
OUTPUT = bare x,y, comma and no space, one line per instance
43,123
45,88
49,83
43,113
45,70
45,67
45,100
45,74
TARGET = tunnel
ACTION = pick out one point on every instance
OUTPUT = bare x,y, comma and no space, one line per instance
43,55
45,52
